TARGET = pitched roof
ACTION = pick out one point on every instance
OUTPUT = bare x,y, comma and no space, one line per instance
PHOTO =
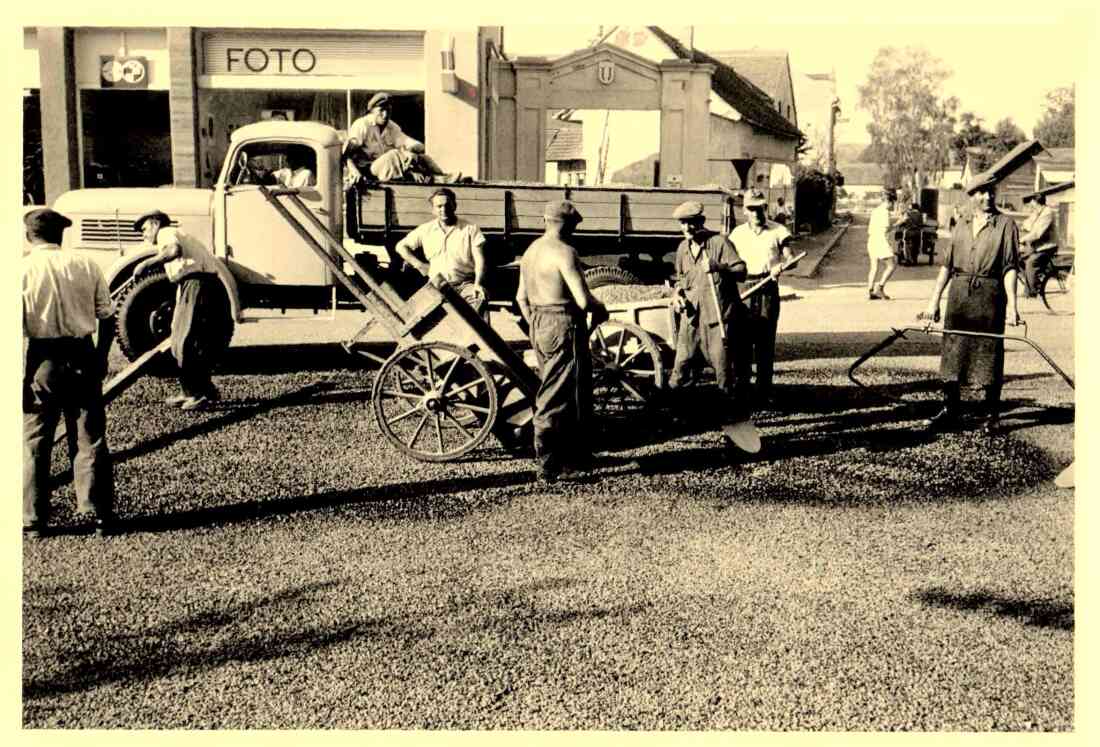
754,105
564,139
1053,188
1010,161
766,70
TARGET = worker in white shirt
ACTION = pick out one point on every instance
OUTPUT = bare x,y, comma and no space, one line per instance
376,145
764,246
451,247
296,174
880,233
64,294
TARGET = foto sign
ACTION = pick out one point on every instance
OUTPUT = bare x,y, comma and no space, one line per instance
271,60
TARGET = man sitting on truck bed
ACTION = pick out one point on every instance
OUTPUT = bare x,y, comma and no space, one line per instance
449,246
376,146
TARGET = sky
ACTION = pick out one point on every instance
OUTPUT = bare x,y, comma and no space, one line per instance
1001,68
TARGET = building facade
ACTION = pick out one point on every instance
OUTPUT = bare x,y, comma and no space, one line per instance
156,106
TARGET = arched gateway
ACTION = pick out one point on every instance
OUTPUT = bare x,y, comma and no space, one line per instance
600,77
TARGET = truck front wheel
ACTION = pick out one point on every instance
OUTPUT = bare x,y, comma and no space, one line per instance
145,317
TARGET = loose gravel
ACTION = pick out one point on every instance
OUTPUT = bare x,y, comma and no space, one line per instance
286,568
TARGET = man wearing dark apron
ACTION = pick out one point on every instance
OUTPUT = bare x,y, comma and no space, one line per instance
980,266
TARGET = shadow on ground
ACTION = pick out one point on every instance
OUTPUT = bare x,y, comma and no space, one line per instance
1043,613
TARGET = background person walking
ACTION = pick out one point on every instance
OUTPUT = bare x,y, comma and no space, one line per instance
63,296
880,231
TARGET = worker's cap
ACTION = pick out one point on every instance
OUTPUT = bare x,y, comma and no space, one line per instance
755,199
378,99
45,219
688,211
160,215
982,181
562,210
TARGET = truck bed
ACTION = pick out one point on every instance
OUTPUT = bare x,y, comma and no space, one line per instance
633,220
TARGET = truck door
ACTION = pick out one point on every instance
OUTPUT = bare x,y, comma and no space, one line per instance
259,244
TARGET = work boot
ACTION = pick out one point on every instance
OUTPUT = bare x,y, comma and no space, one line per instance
992,424
872,295
881,290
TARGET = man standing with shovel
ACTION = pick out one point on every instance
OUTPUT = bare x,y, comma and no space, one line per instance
708,269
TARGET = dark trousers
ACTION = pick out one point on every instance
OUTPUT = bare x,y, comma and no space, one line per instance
196,326
1033,263
729,357
63,378
563,404
763,320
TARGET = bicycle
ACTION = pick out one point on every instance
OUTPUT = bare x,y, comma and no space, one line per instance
1053,284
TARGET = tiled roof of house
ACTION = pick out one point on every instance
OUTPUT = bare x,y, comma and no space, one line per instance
564,140
753,104
767,70
1010,161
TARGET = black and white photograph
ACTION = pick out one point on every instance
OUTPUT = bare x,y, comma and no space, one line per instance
712,377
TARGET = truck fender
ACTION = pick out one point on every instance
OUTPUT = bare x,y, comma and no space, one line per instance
123,269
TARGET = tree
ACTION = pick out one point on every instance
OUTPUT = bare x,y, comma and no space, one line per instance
1055,128
1006,136
912,125
971,134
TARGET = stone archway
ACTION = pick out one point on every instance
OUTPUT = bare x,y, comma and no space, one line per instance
600,77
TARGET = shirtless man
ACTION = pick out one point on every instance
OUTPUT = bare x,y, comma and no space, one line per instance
554,299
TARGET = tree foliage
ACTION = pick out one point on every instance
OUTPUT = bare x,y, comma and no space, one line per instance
972,140
1055,128
912,124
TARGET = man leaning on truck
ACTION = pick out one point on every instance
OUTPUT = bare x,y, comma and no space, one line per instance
449,246
199,305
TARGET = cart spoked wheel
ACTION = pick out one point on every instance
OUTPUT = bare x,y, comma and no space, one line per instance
435,401
626,367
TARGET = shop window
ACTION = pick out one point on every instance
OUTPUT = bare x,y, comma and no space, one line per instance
34,180
126,138
406,109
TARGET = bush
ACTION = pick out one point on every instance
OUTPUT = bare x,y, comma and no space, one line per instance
814,199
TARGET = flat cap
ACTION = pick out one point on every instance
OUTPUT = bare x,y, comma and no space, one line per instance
981,180
688,210
562,210
160,215
755,199
45,219
377,99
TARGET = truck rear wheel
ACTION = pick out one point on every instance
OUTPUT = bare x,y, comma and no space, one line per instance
601,275
144,317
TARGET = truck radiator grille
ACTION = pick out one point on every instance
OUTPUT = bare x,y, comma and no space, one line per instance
110,231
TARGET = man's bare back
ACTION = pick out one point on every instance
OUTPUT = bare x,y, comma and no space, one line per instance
546,266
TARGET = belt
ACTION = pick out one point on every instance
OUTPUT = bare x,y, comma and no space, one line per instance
564,307
975,280
759,276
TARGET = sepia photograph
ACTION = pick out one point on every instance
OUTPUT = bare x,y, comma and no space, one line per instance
408,374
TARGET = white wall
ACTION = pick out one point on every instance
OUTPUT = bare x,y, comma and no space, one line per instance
152,44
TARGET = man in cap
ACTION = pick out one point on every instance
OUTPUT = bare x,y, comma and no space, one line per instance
63,296
449,246
201,311
880,232
377,145
1037,241
708,268
764,246
554,300
980,265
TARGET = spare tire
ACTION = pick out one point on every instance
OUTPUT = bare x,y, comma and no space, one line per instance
144,316
601,275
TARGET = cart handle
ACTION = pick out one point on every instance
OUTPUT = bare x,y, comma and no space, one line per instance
930,330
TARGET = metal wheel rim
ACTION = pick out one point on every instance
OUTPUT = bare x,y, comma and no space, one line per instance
435,401
1056,295
626,367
